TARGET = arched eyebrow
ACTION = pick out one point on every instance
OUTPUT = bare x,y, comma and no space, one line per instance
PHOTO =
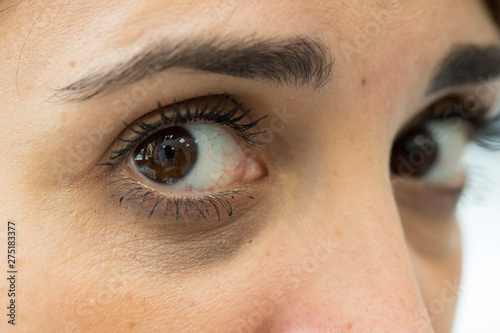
466,64
296,61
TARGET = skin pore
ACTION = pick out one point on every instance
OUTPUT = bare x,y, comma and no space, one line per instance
330,242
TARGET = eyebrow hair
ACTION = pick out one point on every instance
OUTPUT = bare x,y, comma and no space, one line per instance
295,61
466,64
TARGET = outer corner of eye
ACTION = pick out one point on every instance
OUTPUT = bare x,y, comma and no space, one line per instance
200,157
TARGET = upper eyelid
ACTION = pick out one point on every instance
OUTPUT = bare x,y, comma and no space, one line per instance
432,112
486,130
213,113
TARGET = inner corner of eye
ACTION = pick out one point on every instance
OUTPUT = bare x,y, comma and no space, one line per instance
193,158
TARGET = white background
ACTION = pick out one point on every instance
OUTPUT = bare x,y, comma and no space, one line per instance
479,214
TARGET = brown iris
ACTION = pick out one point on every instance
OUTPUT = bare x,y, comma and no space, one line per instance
167,156
414,153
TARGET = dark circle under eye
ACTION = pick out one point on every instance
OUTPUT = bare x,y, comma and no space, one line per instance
167,156
414,153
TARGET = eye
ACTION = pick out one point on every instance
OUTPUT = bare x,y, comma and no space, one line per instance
196,158
193,158
432,149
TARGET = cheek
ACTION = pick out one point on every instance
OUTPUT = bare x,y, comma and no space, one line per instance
310,321
107,302
439,281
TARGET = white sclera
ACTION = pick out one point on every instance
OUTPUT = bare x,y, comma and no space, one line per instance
451,138
218,162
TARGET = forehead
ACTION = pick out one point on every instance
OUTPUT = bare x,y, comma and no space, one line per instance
390,33
220,14
341,18
119,23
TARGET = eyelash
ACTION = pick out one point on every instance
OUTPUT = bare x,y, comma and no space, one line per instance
222,113
224,116
486,133
222,201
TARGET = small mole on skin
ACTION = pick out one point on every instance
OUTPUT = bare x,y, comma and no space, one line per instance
72,64
349,326
268,254
363,82
250,241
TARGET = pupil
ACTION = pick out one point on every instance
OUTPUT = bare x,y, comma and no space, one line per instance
169,152
167,156
414,153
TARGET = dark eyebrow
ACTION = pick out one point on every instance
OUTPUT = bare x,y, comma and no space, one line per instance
466,64
295,61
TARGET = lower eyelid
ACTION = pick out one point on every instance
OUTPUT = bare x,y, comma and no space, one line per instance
420,197
159,207
166,205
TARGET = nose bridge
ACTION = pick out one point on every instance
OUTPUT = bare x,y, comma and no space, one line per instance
355,275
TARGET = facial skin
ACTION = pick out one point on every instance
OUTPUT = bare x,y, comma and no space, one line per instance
330,243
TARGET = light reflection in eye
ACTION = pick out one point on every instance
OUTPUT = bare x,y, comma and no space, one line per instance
192,158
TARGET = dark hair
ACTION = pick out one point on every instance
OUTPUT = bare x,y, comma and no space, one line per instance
494,6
